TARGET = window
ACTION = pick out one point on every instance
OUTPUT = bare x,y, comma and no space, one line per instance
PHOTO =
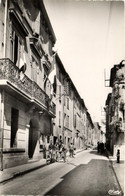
67,103
59,76
68,141
67,123
59,92
59,118
64,119
35,69
45,75
75,120
17,48
65,141
14,127
64,100
48,139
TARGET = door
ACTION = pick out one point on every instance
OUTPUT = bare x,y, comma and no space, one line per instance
33,137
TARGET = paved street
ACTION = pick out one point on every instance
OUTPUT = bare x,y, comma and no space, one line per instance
88,174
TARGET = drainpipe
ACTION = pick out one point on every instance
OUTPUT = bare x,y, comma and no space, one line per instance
63,138
5,28
63,95
2,92
2,127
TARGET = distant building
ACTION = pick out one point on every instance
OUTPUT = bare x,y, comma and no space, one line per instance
96,133
89,126
70,124
115,110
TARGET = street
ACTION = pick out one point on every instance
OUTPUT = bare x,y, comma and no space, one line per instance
88,174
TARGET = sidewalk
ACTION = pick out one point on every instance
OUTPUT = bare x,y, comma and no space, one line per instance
13,172
118,170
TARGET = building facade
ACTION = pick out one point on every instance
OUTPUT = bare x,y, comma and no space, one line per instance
26,56
72,124
115,108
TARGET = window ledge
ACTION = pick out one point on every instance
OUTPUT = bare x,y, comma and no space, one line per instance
13,150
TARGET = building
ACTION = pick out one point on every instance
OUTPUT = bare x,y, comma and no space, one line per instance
96,134
26,58
115,109
71,124
79,122
58,99
90,127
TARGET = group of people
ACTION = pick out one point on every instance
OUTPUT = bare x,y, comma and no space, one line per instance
100,147
58,151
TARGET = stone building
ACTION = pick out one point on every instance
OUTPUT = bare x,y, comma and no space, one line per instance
79,122
70,124
115,109
58,99
26,58
90,127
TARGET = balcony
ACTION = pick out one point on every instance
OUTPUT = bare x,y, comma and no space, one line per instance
26,89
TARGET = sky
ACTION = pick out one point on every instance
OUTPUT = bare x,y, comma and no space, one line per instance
90,39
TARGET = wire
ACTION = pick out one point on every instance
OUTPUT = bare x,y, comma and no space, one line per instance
108,29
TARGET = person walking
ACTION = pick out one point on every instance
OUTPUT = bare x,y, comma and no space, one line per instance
51,152
71,150
118,156
57,150
102,147
64,151
98,146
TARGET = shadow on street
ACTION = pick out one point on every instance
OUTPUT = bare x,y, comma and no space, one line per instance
96,153
93,179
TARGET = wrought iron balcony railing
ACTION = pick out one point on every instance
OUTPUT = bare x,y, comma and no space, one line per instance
9,71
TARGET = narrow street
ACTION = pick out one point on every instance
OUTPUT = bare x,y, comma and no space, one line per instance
88,174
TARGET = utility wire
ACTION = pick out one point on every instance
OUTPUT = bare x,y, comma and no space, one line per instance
107,40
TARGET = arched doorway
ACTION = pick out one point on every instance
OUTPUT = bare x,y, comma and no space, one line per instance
33,136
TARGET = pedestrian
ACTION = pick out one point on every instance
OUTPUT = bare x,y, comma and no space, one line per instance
57,150
64,151
101,147
60,150
71,150
118,156
98,146
50,145
51,151
74,153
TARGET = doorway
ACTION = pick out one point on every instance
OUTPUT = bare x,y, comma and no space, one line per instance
33,137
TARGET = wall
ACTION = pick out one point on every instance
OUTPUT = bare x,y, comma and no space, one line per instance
2,11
